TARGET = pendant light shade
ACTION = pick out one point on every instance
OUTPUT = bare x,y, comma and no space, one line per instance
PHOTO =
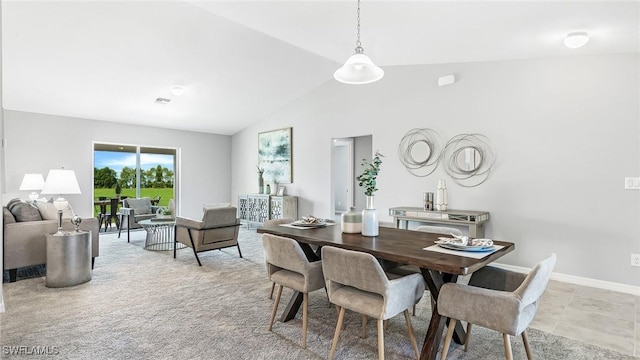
358,69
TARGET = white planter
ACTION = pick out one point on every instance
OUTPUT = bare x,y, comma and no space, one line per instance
370,219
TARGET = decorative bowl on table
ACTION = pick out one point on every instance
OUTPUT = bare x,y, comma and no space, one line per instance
310,221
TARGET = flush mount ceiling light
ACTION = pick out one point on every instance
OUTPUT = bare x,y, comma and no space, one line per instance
576,39
177,90
358,69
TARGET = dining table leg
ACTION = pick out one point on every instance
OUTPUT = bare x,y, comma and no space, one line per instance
435,280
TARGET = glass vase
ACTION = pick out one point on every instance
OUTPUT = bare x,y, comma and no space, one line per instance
370,218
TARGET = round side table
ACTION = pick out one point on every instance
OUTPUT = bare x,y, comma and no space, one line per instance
68,258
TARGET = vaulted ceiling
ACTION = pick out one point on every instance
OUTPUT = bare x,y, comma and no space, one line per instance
239,61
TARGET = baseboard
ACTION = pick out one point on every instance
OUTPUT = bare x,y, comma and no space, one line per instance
578,280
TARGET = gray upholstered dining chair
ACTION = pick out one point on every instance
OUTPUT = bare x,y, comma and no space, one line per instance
288,266
404,270
274,222
507,312
356,281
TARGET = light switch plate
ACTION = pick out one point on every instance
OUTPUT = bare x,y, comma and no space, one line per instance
632,183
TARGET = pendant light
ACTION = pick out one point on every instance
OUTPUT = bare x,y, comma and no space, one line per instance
358,69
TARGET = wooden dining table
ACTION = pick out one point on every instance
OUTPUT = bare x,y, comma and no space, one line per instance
397,246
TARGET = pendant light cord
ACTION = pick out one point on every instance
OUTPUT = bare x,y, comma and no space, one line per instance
358,44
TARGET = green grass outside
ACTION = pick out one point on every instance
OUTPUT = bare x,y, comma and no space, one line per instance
165,194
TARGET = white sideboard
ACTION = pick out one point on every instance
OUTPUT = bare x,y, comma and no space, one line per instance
255,209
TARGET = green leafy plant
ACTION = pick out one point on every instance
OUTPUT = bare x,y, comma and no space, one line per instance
260,170
368,177
166,211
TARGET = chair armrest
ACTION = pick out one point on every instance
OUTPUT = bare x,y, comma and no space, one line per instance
126,211
189,223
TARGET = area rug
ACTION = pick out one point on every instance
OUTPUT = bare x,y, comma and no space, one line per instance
147,305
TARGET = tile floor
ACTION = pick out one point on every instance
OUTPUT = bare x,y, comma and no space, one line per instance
601,317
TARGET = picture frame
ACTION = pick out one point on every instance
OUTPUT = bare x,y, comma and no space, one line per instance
281,191
275,155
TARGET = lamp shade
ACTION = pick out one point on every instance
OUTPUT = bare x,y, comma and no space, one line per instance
358,69
32,182
61,181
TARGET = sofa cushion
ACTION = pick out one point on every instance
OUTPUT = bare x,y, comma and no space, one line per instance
140,206
24,211
48,211
8,216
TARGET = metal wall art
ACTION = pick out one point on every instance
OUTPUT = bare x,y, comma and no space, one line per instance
468,159
419,151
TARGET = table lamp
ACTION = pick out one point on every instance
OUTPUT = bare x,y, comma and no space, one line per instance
61,182
33,183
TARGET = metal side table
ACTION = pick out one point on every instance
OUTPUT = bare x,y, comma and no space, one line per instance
68,258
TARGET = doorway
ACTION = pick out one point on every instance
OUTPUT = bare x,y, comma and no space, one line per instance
347,156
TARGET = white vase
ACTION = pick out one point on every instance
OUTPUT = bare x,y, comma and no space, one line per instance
441,196
370,219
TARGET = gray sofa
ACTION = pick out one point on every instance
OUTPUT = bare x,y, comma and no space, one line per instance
25,241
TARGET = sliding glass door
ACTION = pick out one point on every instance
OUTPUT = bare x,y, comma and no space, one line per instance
122,171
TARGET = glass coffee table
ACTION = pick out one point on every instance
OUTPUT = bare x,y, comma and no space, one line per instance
160,234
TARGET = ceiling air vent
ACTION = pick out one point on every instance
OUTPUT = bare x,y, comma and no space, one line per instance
163,101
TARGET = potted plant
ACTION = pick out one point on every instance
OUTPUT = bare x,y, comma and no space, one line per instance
368,180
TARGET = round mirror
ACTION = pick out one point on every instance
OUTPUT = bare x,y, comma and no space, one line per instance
420,152
468,159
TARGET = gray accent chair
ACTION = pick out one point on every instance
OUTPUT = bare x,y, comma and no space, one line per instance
509,312
287,265
218,229
274,222
356,281
134,211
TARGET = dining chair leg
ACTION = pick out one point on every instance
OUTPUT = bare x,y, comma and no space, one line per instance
275,307
412,336
380,339
273,286
364,326
336,335
305,306
386,324
414,310
507,346
467,337
527,349
447,339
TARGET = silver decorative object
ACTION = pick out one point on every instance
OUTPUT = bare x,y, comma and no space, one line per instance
468,159
419,151
76,220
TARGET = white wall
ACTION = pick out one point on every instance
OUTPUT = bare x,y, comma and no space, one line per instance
205,161
566,132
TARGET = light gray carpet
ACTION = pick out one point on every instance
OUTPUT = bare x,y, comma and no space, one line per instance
146,305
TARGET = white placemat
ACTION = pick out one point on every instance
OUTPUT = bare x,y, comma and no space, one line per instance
471,254
303,227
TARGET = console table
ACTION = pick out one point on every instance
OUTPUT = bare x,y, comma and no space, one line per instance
473,220
255,209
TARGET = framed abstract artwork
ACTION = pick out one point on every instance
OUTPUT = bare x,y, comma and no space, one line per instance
275,155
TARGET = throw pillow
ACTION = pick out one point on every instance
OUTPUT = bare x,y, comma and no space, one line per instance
25,212
8,216
49,211
12,202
